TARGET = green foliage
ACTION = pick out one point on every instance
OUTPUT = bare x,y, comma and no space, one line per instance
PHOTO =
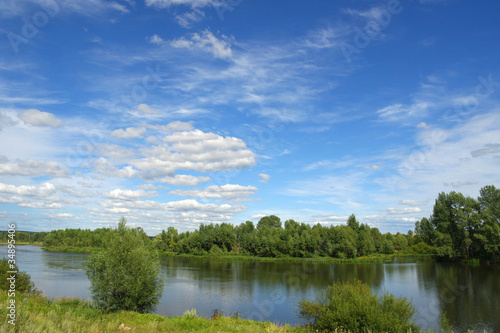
125,274
461,227
191,314
39,314
354,307
271,221
23,281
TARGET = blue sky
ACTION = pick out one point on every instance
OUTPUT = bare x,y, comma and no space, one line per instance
181,112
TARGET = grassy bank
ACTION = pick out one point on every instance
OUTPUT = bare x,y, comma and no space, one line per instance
36,313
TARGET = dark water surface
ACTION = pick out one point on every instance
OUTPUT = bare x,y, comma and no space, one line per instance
469,295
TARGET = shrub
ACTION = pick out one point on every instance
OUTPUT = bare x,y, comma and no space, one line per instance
125,274
353,307
23,281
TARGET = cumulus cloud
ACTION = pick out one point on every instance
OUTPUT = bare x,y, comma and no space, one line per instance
33,168
43,190
407,210
41,205
104,166
174,126
184,180
60,216
178,206
129,194
225,192
413,203
206,41
129,133
38,118
194,150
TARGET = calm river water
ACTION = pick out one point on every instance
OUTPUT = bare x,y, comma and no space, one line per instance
470,296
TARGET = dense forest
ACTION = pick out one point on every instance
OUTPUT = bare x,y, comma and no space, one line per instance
459,228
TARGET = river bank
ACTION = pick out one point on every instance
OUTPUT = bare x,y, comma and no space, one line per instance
37,313
375,258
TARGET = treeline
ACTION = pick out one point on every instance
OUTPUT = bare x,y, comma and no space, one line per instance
23,237
269,238
459,228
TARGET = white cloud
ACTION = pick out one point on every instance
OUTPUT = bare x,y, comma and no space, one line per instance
41,205
104,166
35,117
206,41
146,109
118,7
191,3
398,112
129,194
413,203
43,190
184,180
373,166
264,178
129,133
194,150
61,216
224,192
175,126
449,157
187,19
155,39
407,210
177,206
113,151
34,168
460,183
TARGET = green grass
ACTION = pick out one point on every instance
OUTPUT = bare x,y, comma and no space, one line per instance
36,313
39,314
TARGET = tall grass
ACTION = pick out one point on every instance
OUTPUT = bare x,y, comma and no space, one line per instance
39,314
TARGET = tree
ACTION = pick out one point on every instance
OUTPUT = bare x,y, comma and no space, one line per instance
271,221
22,281
125,274
353,223
354,308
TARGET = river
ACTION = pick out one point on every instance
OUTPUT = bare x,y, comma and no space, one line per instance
470,295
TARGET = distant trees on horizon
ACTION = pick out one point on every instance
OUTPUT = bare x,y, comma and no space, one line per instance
459,228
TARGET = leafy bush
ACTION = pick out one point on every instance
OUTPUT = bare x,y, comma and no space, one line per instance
125,275
353,307
23,281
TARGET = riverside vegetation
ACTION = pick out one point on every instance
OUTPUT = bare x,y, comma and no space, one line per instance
126,285
460,228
